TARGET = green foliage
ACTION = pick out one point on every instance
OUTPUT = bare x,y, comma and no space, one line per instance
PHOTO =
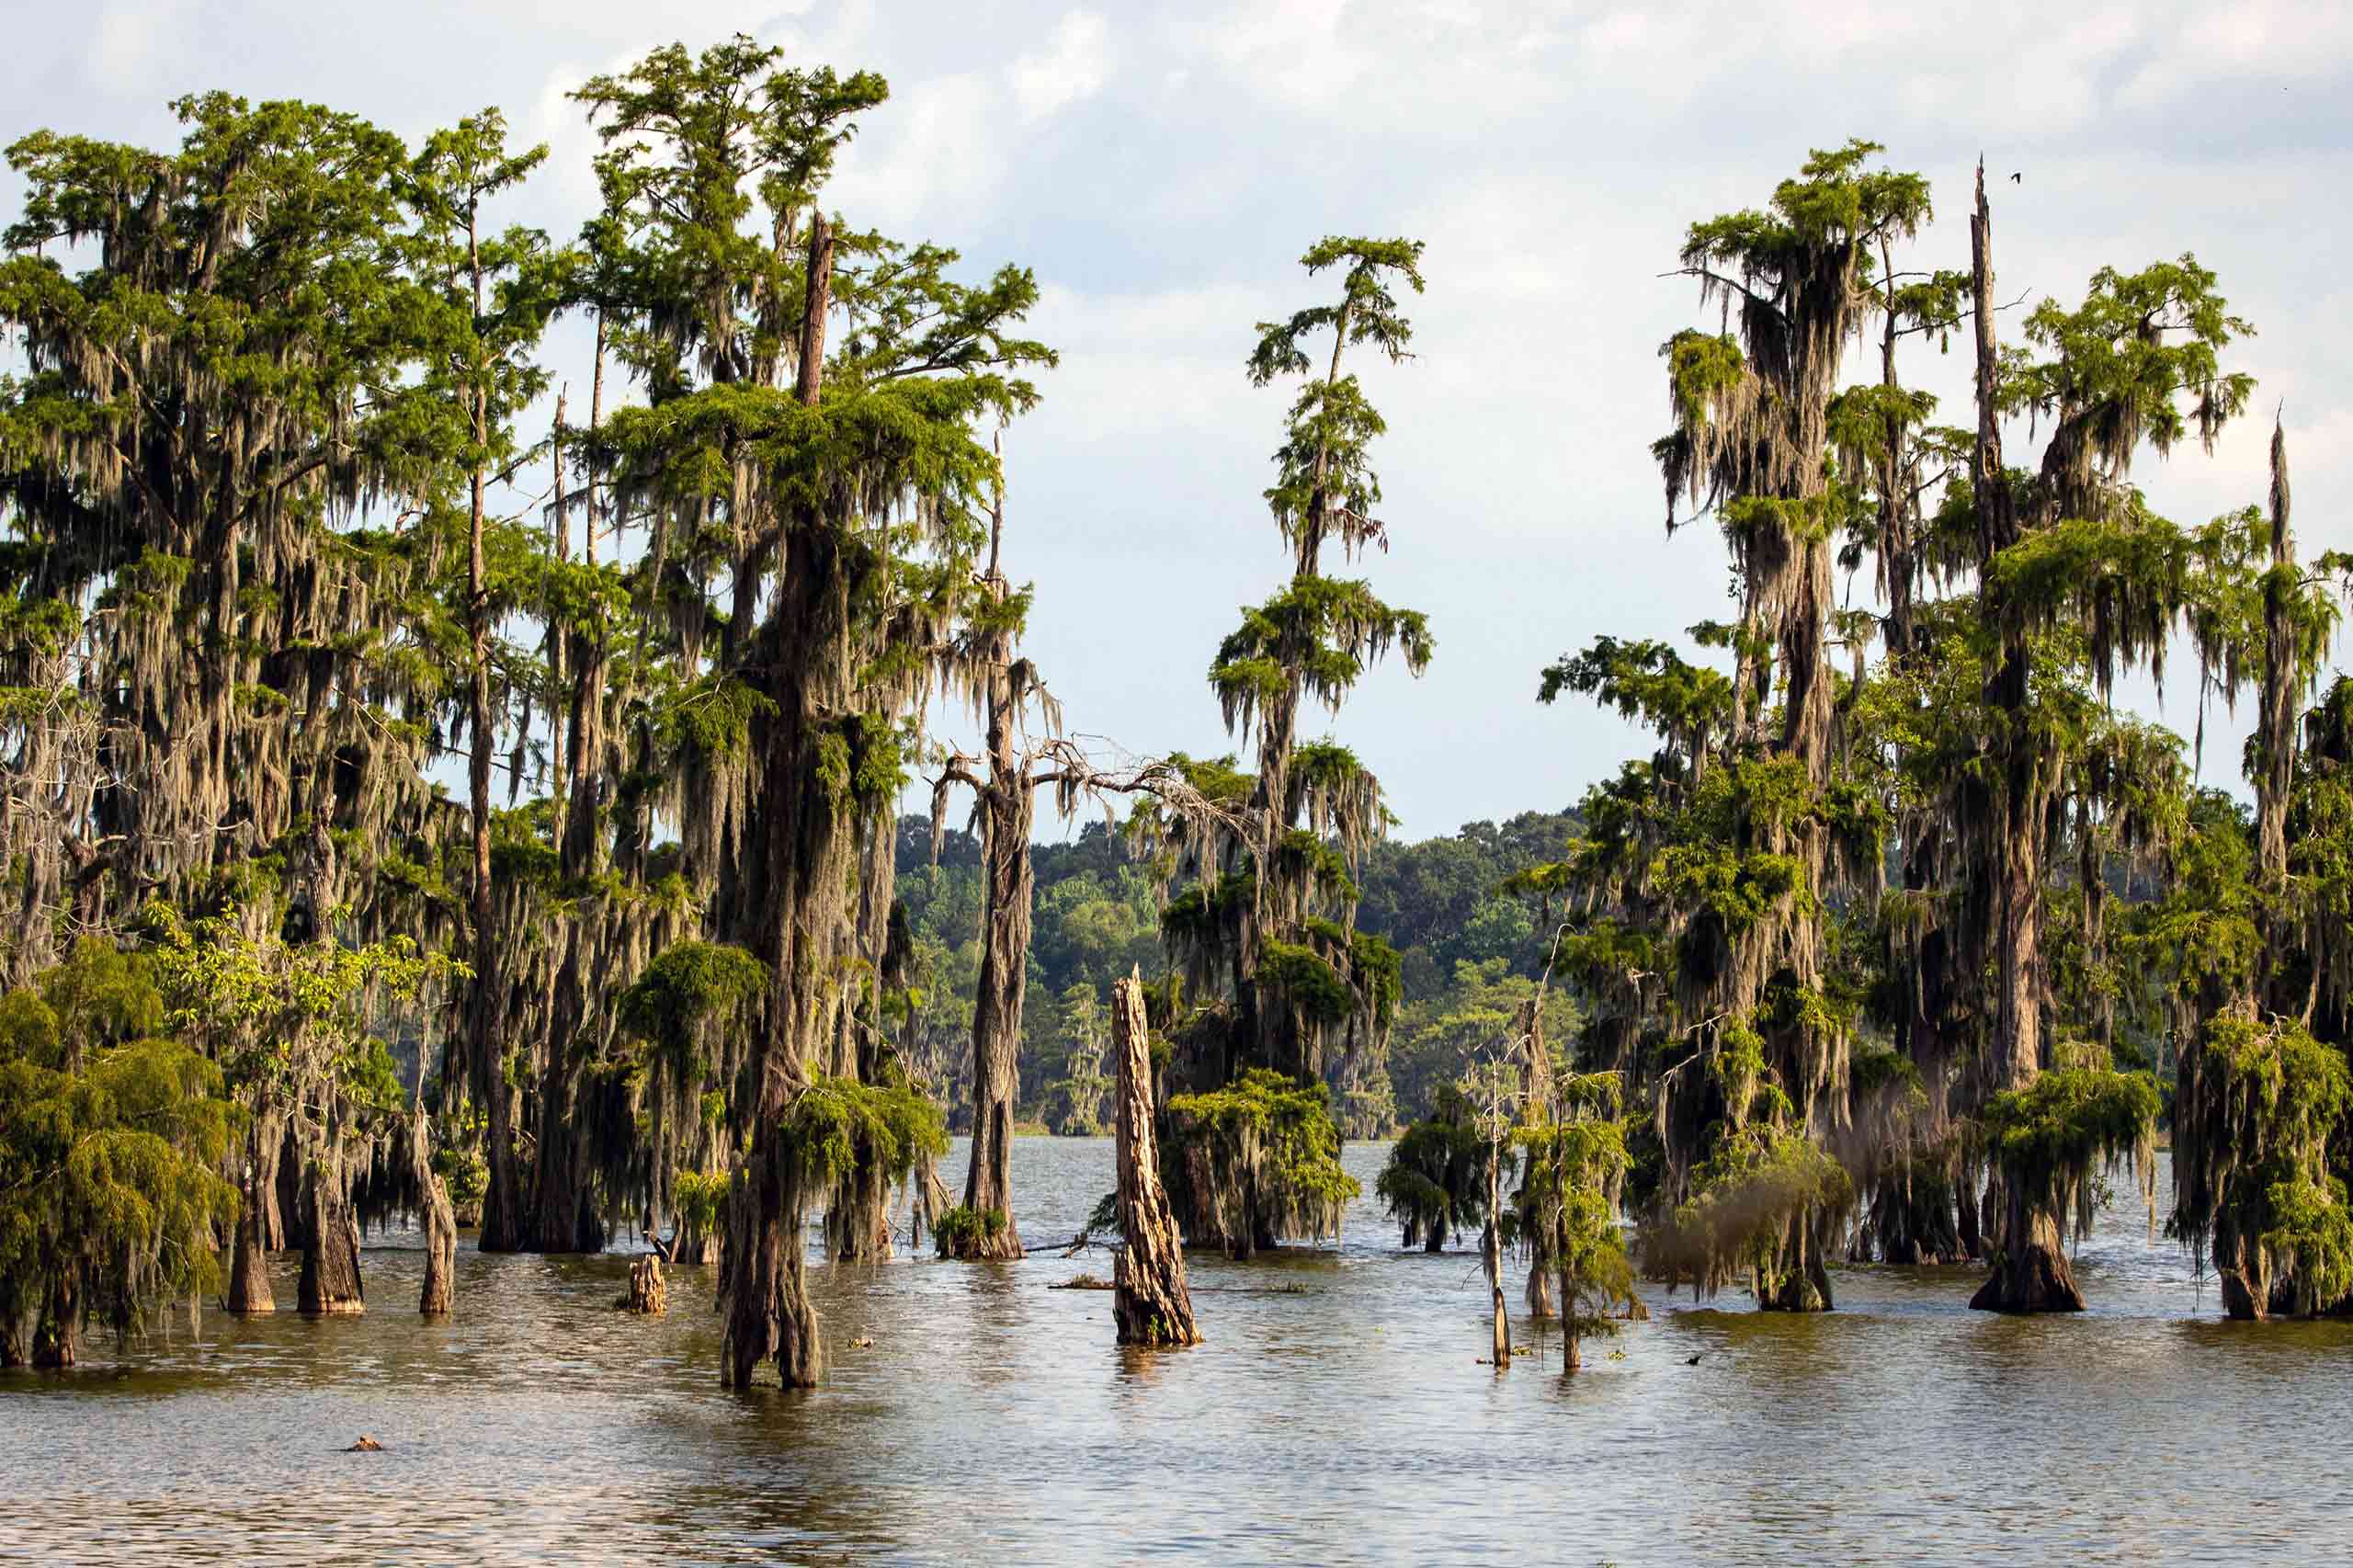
1273,1143
699,1197
1576,1166
111,1196
962,1227
691,990
2311,1237
2050,1139
1436,1180
831,1120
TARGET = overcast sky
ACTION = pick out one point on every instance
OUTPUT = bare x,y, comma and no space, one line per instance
1162,167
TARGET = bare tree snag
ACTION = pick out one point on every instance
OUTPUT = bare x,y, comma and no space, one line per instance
1151,1305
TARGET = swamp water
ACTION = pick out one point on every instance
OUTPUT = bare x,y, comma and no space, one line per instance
1337,1413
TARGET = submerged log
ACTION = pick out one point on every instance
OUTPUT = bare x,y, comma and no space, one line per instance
1151,1305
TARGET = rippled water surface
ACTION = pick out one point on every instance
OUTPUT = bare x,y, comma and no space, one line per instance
1337,1413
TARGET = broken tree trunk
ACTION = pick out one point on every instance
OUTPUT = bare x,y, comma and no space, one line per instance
647,1292
1150,1305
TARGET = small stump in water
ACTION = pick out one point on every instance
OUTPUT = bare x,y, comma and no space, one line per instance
647,1294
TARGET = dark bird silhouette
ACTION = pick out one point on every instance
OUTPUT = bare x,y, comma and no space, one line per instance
2017,178
1691,1361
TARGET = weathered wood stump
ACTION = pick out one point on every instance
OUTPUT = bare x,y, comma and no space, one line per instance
1150,1303
647,1292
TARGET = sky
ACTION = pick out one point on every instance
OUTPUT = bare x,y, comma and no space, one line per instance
1162,167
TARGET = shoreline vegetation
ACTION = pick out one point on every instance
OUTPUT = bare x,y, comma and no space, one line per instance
1901,944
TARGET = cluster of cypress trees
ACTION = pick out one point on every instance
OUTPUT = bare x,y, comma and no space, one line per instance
278,547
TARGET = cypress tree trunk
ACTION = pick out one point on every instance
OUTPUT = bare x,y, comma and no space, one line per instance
330,1283
249,1288
768,1314
440,1223
857,1215
504,1221
1491,1253
1007,811
1150,1302
2030,1272
1571,1359
57,1342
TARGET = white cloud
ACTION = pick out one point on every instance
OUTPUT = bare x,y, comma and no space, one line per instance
928,157
134,44
1073,65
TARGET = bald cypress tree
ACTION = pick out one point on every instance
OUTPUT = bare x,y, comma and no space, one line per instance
1717,862
500,291
812,511
1301,999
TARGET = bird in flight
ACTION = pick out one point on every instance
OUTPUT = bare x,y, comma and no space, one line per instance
2017,178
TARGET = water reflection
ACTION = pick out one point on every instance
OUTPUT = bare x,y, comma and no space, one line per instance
1338,1413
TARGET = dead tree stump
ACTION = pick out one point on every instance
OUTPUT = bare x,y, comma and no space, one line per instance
647,1292
1151,1304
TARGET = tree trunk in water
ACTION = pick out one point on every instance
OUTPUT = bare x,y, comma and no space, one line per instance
57,1342
2030,1275
2030,1272
330,1281
1150,1302
1005,813
761,1280
857,1217
567,1220
1540,1290
1491,1253
1571,1360
647,1294
439,1222
249,1288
